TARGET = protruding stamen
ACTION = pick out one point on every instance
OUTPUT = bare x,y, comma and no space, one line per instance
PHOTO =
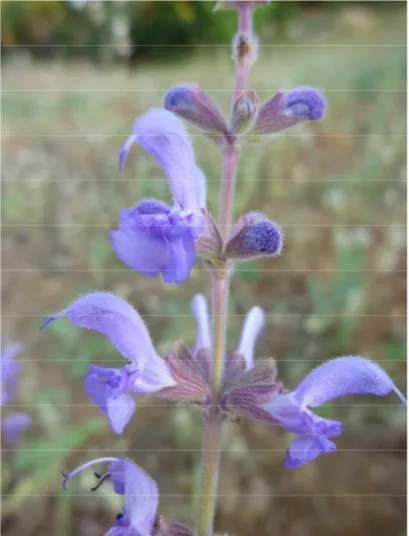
101,480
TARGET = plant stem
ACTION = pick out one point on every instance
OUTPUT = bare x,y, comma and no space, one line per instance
213,424
210,471
245,27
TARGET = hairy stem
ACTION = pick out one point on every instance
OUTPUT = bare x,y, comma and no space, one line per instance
210,469
245,27
213,424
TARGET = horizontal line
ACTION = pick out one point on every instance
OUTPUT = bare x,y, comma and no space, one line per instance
268,315
168,451
189,405
387,182
299,135
197,270
257,361
213,90
194,495
210,45
296,225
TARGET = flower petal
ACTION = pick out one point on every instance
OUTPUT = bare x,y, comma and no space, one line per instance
181,260
253,325
119,410
200,187
163,135
344,376
141,495
203,338
140,251
116,319
14,424
306,448
155,376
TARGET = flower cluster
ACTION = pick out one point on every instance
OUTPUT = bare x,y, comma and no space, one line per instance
14,423
156,238
249,386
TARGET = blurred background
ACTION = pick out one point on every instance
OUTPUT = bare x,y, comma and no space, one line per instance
74,76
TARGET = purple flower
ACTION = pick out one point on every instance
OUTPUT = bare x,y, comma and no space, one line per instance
153,237
287,109
14,424
339,377
10,369
147,372
140,493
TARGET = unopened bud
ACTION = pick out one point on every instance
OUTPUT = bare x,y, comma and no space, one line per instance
255,236
192,104
244,112
245,49
287,109
237,4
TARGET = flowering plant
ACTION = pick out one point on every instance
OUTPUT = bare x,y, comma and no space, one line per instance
155,238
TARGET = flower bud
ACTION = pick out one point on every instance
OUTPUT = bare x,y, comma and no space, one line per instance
245,49
224,5
192,104
244,112
255,236
287,109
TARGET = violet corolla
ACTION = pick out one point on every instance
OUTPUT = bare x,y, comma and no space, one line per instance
14,423
146,373
338,377
141,499
154,237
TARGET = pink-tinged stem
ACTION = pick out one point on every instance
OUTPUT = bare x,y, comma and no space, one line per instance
221,281
213,424
245,27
